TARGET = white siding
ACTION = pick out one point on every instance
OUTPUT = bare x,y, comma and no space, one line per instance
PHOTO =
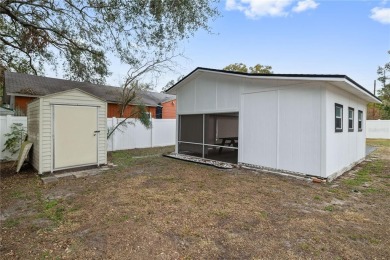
300,130
33,128
209,94
258,125
281,129
73,97
343,148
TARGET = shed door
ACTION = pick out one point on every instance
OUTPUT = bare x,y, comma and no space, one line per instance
75,140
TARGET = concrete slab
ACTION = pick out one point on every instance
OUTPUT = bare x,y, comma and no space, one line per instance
65,175
369,149
49,179
80,174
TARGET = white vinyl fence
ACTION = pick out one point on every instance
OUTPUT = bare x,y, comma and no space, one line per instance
5,127
134,135
378,129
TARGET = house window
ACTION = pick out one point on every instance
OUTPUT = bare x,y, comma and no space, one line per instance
338,118
360,120
350,119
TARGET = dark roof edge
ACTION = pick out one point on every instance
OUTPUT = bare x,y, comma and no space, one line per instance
280,75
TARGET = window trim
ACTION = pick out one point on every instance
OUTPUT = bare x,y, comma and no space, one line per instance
336,105
353,119
360,120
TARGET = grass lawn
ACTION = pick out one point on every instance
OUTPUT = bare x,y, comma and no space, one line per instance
156,207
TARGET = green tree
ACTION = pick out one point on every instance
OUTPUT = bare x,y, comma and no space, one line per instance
171,83
237,67
381,111
257,69
77,36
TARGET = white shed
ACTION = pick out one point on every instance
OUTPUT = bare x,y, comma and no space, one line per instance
305,124
68,130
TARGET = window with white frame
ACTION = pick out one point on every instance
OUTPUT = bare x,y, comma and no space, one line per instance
360,120
351,119
338,117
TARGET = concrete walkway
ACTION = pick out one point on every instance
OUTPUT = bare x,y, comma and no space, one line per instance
77,174
370,149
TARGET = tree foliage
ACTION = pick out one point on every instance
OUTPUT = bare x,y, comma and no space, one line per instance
257,69
171,83
79,35
381,111
15,138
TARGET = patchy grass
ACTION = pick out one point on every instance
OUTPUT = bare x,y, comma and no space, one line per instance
156,207
378,142
10,223
329,208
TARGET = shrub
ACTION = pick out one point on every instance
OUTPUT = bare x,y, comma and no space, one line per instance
15,138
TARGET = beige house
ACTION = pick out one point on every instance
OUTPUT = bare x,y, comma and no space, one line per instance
68,130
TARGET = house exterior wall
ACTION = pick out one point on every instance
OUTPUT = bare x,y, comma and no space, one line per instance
169,110
22,102
343,148
33,129
113,111
73,97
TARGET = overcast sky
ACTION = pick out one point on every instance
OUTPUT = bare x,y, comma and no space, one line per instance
303,37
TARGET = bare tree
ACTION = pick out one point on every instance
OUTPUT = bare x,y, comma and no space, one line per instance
132,86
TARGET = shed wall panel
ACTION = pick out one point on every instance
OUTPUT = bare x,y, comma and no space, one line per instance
258,140
205,97
228,94
33,130
299,127
187,99
209,95
343,148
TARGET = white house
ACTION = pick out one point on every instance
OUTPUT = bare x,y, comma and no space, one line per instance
306,124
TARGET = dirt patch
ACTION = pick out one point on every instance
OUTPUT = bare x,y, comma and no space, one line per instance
155,207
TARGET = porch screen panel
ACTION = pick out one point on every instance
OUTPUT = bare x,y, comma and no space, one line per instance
191,129
210,129
190,149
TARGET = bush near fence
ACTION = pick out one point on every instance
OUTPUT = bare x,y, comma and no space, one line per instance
134,135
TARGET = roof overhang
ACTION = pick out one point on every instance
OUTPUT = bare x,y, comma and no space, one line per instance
340,81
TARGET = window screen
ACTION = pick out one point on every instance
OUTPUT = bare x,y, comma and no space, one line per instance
350,119
338,118
191,128
360,120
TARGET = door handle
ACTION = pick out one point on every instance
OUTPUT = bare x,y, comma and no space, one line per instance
95,132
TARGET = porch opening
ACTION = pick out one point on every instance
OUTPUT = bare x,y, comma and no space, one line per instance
212,136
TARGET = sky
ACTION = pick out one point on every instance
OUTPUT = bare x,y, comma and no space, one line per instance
293,36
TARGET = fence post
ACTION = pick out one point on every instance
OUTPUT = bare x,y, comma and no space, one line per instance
8,122
113,134
151,133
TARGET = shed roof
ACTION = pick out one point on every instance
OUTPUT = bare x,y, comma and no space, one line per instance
341,81
31,85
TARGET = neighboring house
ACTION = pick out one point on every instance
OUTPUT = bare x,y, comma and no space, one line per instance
20,89
306,124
